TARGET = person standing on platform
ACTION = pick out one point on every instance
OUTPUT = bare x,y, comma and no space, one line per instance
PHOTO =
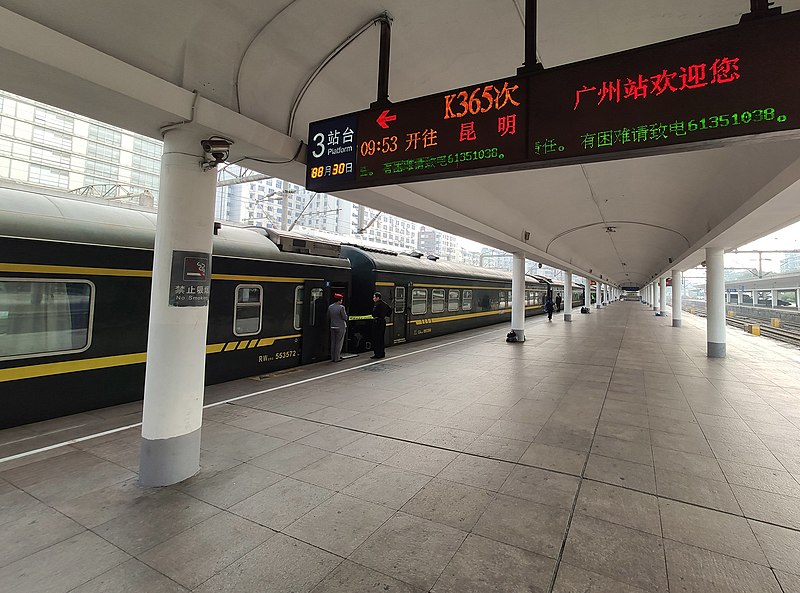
338,318
549,306
558,302
380,311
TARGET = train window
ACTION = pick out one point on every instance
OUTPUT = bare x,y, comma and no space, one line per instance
437,300
42,317
400,299
466,300
316,295
452,300
419,301
247,316
298,307
786,298
503,303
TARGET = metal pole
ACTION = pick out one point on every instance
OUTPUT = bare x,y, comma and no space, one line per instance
383,61
531,63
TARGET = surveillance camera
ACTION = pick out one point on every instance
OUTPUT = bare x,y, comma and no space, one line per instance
214,145
217,150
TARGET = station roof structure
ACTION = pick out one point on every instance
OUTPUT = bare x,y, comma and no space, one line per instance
258,71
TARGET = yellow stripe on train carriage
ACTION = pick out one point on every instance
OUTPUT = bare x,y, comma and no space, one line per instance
72,270
106,362
428,320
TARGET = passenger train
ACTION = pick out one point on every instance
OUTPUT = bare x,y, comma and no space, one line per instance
75,291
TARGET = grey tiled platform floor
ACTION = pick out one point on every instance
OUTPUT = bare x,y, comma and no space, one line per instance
605,455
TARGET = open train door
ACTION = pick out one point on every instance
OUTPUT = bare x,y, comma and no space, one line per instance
399,315
315,322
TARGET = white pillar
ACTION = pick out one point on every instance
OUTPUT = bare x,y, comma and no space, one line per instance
655,295
568,296
587,294
597,299
176,342
715,303
518,296
662,298
677,298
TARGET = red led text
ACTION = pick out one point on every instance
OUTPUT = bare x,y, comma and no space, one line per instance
695,76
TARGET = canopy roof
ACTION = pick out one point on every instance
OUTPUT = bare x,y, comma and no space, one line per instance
136,65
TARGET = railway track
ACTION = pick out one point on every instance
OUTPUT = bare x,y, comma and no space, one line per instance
789,334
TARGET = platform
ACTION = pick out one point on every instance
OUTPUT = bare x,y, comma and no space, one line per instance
604,455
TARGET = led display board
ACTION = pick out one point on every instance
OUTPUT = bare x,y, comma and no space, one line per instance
435,136
676,95
737,81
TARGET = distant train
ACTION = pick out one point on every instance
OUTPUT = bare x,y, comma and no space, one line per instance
74,301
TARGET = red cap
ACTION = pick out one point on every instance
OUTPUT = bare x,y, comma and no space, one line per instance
338,297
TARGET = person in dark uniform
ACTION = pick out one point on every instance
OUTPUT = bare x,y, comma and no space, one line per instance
380,311
338,318
549,306
558,302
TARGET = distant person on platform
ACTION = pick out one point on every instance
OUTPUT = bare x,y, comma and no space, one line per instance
338,319
558,302
380,311
549,306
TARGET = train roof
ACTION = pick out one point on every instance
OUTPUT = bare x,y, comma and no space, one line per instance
33,213
391,262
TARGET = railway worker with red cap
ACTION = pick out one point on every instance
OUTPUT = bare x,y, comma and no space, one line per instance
338,319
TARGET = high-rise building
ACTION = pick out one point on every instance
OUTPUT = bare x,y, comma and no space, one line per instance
434,242
49,147
382,229
790,263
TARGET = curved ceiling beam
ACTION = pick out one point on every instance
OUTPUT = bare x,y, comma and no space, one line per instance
613,223
383,17
238,75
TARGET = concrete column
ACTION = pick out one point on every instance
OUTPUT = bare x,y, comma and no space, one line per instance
597,295
568,296
715,303
655,295
587,294
518,296
677,297
662,298
176,343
